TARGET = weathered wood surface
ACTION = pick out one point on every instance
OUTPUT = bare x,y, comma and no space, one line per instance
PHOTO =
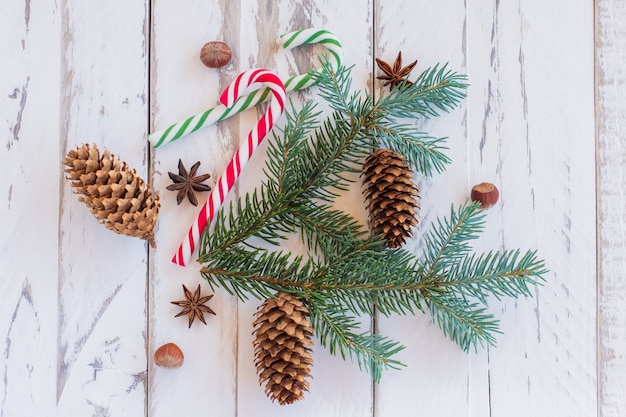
611,150
84,309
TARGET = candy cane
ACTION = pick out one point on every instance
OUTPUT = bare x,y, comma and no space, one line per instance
246,82
306,37
221,111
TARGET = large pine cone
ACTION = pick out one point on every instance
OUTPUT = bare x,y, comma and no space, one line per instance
281,348
114,193
392,196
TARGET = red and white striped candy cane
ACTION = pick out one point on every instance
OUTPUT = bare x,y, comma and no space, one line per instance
245,83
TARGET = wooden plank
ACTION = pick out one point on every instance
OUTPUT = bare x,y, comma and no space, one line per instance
101,318
610,119
334,380
220,363
29,186
498,130
531,133
436,367
181,86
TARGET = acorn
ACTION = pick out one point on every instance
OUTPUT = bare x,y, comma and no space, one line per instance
486,194
169,356
215,54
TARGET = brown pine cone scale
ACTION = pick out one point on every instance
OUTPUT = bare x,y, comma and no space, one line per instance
113,192
392,197
282,348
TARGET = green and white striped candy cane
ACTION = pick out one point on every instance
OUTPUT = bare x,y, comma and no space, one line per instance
334,56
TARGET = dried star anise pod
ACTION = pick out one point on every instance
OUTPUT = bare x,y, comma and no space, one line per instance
397,74
194,305
186,183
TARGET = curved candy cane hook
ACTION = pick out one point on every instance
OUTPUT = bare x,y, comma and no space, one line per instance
306,37
221,112
246,82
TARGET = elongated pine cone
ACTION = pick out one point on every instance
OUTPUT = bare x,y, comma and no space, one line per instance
391,196
114,193
281,348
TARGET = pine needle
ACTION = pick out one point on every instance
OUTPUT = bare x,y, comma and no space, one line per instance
346,273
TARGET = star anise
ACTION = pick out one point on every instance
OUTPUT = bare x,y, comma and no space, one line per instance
397,74
186,183
194,305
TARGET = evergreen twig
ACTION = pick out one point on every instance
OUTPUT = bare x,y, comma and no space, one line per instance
346,273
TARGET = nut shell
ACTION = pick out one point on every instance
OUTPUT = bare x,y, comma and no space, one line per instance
486,194
215,54
169,356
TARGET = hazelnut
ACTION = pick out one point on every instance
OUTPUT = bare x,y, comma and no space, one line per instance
486,194
215,54
169,356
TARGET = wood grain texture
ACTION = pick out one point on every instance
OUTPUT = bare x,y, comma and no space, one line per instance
334,380
532,134
180,86
84,309
101,319
517,74
435,367
28,155
611,152
223,352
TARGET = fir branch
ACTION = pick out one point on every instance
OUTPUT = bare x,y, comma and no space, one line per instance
450,239
282,150
298,173
324,229
363,276
346,273
495,274
466,323
337,331
360,272
244,271
436,89
257,215
423,152
457,276
336,151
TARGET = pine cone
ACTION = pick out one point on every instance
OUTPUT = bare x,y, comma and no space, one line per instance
114,193
391,196
281,347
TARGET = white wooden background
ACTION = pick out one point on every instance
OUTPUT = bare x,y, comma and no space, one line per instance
83,309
